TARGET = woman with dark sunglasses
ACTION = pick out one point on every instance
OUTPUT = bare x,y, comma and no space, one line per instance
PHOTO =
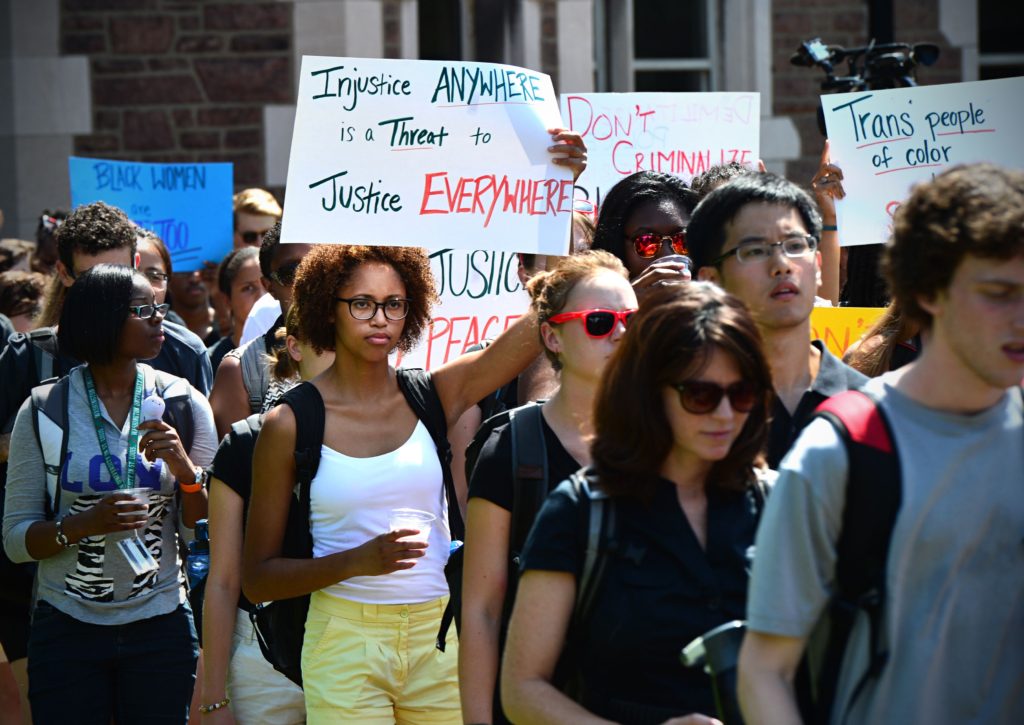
680,422
583,306
643,220
112,635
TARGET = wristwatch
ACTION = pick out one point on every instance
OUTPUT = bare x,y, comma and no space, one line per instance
197,484
62,538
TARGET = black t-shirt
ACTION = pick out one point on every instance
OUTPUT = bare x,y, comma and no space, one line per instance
660,590
233,466
218,350
492,478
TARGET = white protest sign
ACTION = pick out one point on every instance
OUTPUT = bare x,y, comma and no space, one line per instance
480,297
677,133
426,153
887,141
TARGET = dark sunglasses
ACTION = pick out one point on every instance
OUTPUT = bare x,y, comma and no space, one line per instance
285,275
254,237
647,244
596,323
699,397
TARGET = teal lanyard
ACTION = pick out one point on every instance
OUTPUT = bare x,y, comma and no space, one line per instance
133,436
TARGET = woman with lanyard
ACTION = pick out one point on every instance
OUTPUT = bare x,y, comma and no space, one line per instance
679,425
112,635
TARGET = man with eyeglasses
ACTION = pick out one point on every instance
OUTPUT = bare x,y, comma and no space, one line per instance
757,237
256,211
243,382
941,639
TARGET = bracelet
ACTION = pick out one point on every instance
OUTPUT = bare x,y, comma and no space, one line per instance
190,487
829,228
207,709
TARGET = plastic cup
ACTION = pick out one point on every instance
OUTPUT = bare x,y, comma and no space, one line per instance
405,518
140,495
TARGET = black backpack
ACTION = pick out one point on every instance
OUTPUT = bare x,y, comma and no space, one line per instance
280,625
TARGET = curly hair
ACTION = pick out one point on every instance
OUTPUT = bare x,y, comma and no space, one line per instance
627,195
329,266
672,337
550,290
94,228
975,209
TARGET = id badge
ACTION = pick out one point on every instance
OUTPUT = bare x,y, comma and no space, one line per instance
137,555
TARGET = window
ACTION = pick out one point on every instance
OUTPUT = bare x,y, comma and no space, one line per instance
656,45
1000,49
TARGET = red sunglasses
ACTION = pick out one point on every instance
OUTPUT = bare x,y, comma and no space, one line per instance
647,244
597,323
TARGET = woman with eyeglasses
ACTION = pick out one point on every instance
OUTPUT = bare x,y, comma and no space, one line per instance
378,596
238,279
642,221
582,307
680,422
112,635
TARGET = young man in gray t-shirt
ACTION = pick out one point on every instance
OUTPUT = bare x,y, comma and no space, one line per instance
953,620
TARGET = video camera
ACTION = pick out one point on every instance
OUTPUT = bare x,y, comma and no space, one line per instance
872,67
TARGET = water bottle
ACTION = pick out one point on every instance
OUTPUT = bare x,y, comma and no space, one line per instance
198,562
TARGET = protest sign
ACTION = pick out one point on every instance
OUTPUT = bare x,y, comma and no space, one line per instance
480,296
887,141
677,133
189,206
840,327
426,153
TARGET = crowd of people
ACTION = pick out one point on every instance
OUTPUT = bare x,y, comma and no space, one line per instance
655,450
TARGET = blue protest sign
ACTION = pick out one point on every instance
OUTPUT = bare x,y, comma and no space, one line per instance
187,205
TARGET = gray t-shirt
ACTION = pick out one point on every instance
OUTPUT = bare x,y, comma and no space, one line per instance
92,581
954,608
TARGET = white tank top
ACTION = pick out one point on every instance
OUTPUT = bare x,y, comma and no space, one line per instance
350,499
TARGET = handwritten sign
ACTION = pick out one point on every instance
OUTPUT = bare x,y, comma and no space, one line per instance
427,153
480,297
677,133
840,327
187,205
887,141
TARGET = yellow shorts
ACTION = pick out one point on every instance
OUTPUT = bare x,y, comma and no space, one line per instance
378,663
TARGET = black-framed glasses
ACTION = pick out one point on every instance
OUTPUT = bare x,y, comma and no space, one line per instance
647,244
364,308
759,250
156,276
701,397
285,274
145,312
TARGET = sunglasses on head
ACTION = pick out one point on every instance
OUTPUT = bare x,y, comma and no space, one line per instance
596,323
647,244
254,237
700,397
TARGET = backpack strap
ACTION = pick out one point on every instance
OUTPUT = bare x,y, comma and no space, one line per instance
600,532
255,372
873,499
50,424
308,408
529,472
44,353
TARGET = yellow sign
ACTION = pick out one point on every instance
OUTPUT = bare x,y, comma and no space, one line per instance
840,327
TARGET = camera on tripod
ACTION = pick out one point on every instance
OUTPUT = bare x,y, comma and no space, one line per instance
871,67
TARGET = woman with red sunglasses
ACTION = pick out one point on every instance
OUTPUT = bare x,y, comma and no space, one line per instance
583,306
679,425
642,221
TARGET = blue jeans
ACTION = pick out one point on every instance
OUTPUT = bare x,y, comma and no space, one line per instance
141,672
